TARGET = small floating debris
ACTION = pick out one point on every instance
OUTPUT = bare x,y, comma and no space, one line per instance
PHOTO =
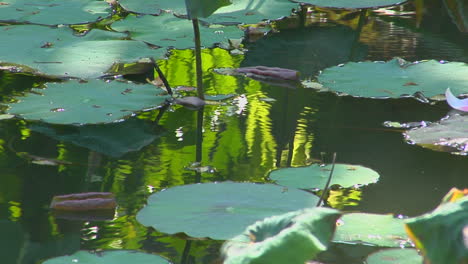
87,206
190,102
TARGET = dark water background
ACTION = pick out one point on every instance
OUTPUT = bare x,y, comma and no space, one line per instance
242,141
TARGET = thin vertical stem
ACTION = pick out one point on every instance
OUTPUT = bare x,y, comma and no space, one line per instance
162,76
325,190
198,59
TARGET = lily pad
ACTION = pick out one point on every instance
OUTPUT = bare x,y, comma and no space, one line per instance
86,103
371,229
448,135
316,176
115,139
219,210
293,237
442,234
54,12
395,256
240,11
173,31
56,51
346,4
396,78
108,257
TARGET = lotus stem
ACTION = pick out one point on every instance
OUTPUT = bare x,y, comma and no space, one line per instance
162,76
327,185
198,59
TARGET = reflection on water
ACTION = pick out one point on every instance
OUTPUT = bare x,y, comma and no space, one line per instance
263,128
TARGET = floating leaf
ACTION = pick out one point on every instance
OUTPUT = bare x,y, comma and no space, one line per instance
395,256
113,139
454,102
442,234
173,31
316,176
86,103
108,257
293,237
346,4
371,229
219,210
57,51
53,12
448,135
240,11
396,78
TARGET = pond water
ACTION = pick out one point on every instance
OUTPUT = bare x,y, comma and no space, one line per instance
262,128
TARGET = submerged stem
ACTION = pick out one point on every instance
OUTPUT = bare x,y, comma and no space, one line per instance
325,189
198,59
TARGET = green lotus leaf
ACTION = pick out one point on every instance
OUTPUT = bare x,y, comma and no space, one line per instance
396,78
86,103
371,229
316,176
240,11
293,237
54,12
442,235
395,256
447,135
115,139
346,4
203,8
108,257
307,50
173,31
219,210
56,51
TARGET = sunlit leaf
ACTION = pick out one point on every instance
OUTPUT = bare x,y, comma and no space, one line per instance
219,210
108,257
396,78
442,234
293,237
56,51
447,135
86,103
395,256
353,4
53,12
371,229
173,31
316,176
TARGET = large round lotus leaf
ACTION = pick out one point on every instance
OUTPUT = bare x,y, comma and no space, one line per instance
86,103
113,139
219,210
395,256
448,135
56,51
396,78
316,176
54,12
108,257
353,4
307,50
240,11
293,237
371,229
442,234
173,31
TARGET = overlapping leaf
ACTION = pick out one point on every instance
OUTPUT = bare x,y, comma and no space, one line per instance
54,12
173,31
56,51
395,256
109,257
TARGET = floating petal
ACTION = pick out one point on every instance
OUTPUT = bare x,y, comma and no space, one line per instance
454,102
